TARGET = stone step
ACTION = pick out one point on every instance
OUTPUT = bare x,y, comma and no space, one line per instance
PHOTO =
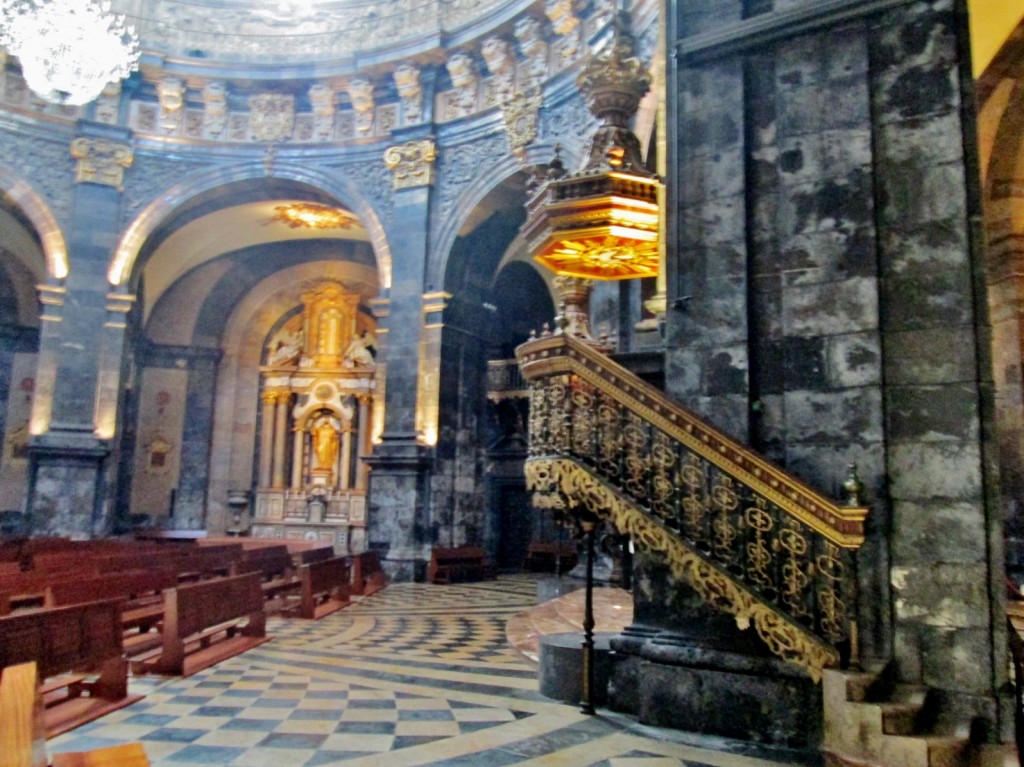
899,718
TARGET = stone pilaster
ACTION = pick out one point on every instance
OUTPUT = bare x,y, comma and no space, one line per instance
398,498
194,475
81,350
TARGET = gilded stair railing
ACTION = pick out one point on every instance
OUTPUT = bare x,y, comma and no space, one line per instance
748,537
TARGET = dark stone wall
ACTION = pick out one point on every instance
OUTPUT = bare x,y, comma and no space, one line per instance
830,308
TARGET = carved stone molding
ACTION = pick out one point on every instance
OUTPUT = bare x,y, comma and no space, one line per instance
521,113
272,116
101,162
412,164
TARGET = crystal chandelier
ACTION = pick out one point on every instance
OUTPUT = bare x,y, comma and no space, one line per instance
68,49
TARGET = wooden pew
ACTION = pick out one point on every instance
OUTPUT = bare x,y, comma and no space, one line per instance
141,610
325,588
228,609
22,730
458,565
367,575
274,564
77,650
23,736
544,557
190,563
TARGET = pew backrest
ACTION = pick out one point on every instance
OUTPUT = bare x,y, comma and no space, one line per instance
62,639
127,585
192,608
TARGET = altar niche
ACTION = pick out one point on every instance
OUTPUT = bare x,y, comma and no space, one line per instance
317,422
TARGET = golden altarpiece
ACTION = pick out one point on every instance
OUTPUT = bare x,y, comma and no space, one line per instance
318,417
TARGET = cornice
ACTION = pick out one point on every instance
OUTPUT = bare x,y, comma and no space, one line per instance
767,28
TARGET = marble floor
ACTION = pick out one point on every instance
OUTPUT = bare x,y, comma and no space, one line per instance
415,675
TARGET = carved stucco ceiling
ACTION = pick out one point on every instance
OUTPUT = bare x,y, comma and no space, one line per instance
283,34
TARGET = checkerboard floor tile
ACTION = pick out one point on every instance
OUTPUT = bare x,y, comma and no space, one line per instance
415,675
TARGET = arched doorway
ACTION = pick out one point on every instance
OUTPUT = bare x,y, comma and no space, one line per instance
252,292
495,300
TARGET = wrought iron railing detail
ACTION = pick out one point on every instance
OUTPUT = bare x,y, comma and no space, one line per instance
749,538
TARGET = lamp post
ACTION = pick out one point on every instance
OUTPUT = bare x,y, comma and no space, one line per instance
587,703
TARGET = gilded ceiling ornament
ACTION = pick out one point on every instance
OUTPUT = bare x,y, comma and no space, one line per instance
101,162
304,215
412,164
271,116
520,113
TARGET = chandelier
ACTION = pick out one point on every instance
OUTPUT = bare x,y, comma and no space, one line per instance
69,49
602,221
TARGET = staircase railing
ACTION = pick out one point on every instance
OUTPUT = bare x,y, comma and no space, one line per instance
749,538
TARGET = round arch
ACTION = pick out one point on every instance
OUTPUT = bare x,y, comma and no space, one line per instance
55,251
339,186
486,181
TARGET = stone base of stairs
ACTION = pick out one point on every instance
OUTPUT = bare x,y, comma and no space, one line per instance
667,683
872,723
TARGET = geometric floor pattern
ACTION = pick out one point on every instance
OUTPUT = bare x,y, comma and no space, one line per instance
417,674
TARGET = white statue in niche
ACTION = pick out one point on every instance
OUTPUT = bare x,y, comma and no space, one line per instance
284,346
360,350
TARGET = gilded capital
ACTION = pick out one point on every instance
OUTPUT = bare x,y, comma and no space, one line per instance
101,162
412,164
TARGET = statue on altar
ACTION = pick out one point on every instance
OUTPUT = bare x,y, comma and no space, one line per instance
325,445
360,349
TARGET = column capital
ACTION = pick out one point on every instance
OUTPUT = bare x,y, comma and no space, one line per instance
101,161
412,163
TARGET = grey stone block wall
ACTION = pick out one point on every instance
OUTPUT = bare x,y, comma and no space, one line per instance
832,308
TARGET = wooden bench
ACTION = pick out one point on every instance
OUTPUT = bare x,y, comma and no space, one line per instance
23,736
367,575
230,610
460,564
544,557
142,608
78,651
275,566
324,588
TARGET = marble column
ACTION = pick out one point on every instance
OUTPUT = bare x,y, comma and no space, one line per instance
267,438
297,440
363,441
280,440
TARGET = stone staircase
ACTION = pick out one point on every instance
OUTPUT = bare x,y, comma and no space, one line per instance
871,721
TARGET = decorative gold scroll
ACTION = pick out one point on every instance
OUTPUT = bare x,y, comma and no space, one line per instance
555,480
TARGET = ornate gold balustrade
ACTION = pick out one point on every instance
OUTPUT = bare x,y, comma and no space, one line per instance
748,537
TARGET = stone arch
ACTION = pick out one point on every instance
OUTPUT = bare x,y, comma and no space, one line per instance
32,204
339,186
484,182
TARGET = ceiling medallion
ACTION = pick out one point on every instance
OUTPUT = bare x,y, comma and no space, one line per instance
602,221
304,215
